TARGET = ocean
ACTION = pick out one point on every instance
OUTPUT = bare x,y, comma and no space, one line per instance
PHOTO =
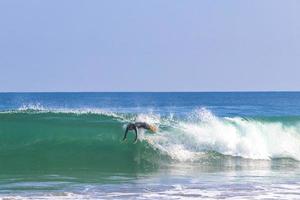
209,145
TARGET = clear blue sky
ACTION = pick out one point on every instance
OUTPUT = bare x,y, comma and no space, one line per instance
156,45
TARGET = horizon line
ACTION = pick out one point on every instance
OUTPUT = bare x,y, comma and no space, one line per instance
217,91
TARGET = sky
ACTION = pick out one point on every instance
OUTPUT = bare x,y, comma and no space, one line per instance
157,45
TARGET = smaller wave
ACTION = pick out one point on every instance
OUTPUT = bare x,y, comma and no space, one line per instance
38,108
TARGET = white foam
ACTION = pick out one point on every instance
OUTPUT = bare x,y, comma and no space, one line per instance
37,107
251,139
148,118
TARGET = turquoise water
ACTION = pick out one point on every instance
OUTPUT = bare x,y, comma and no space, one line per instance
208,145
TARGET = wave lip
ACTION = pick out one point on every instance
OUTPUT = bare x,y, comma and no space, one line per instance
39,108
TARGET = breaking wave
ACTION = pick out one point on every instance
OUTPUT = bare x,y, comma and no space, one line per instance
35,137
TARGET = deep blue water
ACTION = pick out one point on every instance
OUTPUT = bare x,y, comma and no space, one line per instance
221,103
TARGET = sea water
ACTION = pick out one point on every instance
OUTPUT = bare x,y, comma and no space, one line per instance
237,145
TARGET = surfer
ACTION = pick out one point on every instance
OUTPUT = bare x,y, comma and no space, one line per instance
136,126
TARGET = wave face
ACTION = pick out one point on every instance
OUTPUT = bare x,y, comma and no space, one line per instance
42,140
34,138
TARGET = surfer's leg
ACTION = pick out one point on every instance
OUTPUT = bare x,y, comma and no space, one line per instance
136,136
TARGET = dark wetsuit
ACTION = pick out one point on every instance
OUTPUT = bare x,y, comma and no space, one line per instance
135,126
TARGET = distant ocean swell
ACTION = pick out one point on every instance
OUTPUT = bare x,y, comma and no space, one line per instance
33,137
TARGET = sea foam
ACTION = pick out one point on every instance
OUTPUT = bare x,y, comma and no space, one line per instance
187,140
